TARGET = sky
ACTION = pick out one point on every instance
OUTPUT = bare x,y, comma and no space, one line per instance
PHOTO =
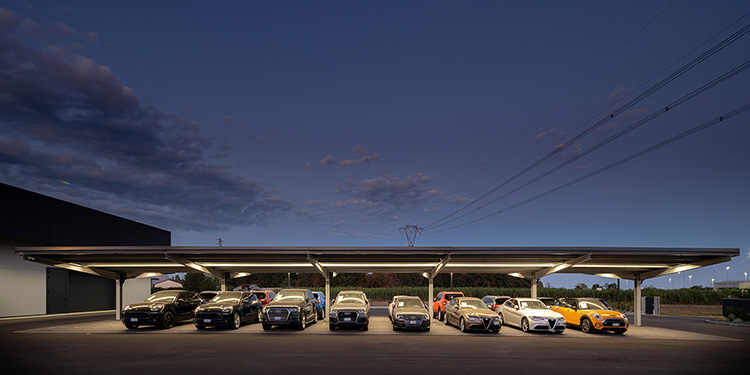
335,123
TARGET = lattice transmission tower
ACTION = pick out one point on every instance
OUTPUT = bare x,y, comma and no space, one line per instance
411,232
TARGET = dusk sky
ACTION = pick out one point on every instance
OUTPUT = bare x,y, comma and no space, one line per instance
337,122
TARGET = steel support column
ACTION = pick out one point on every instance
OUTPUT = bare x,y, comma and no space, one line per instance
430,295
119,282
328,297
637,300
533,286
224,281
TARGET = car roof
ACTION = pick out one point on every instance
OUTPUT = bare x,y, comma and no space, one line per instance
465,298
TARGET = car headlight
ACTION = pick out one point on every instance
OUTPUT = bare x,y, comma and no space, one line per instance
597,316
625,318
561,320
361,311
334,312
294,309
226,309
200,308
264,310
127,308
472,317
425,316
156,307
536,317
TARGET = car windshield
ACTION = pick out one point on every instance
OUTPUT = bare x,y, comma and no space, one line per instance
473,304
592,305
451,296
289,296
260,295
532,304
165,296
409,303
350,297
227,297
501,300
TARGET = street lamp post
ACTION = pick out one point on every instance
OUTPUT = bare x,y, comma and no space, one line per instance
727,276
690,278
745,276
712,282
670,283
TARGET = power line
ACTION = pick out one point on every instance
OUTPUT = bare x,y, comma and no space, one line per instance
545,113
685,68
636,155
611,138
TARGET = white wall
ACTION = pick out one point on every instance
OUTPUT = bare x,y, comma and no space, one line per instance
23,284
135,290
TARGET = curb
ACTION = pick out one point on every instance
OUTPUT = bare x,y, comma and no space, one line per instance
733,324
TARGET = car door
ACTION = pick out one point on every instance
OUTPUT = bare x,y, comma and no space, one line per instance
249,306
513,312
182,306
451,311
563,307
310,304
436,302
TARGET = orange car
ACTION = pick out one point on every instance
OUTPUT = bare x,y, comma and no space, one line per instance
442,299
591,315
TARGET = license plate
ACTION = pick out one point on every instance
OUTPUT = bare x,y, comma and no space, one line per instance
133,319
276,318
495,323
615,324
347,319
206,320
413,322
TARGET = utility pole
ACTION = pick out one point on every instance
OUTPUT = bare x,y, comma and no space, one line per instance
219,241
411,232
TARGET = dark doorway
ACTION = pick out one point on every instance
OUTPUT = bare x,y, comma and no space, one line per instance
57,291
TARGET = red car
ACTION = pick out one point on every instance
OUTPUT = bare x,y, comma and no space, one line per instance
442,299
265,296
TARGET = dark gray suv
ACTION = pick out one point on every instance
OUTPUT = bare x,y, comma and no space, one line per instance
290,307
351,308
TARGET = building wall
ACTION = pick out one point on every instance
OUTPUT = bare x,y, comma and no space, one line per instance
23,284
31,219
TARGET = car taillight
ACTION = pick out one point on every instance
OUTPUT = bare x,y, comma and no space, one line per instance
444,302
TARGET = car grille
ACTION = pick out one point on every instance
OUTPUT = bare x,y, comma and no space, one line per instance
276,313
611,322
347,314
552,322
137,314
207,315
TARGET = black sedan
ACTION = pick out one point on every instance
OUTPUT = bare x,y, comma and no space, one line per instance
228,309
162,309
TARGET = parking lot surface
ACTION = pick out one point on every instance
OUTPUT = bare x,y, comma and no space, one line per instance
101,345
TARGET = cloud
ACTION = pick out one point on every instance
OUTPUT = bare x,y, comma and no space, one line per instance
390,191
65,117
552,132
364,157
615,93
328,160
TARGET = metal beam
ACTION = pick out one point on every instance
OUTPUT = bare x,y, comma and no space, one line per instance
323,271
637,305
440,266
562,266
73,267
195,266
683,267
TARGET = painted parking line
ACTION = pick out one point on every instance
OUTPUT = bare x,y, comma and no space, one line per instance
378,326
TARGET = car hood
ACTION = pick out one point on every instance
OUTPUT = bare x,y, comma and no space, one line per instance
542,312
273,304
349,305
216,306
606,313
145,305
480,313
409,311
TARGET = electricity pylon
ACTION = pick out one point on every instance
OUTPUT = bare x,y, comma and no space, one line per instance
411,232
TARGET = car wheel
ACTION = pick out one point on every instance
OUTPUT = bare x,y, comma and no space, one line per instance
442,315
236,321
302,322
131,326
315,318
332,327
434,314
619,331
427,330
502,320
266,327
495,331
200,327
395,329
525,325
462,325
586,325
365,327
260,316
167,321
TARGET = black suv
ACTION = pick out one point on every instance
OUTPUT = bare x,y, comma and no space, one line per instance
290,307
228,309
350,309
162,309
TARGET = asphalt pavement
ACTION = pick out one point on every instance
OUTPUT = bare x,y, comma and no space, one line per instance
98,344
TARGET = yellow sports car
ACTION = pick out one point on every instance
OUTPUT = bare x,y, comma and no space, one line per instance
591,315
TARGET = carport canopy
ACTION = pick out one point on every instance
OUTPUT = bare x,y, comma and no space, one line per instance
533,263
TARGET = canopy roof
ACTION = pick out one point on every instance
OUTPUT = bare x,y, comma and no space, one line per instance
526,262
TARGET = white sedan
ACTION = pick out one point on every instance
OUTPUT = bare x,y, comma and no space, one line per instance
531,315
